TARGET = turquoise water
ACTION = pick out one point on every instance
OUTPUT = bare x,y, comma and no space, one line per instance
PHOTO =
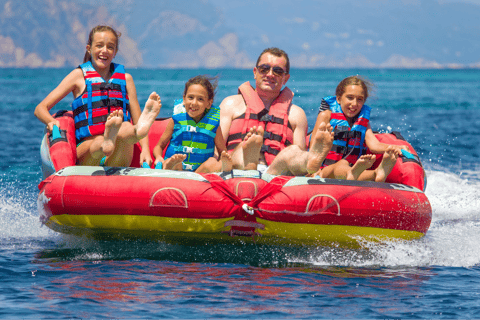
48,275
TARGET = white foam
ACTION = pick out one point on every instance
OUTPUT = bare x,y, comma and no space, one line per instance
19,217
453,196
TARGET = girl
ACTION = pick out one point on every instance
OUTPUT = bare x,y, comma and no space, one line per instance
105,102
349,118
194,134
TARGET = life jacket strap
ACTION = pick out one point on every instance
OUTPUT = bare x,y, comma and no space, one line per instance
186,149
342,133
179,129
105,86
109,103
91,121
345,150
328,162
269,149
275,137
89,105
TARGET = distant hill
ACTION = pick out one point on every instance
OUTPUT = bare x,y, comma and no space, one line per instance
219,33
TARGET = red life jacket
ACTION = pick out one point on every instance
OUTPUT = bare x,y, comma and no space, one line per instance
92,107
278,131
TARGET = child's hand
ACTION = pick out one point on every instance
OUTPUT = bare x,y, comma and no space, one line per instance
159,163
51,124
398,149
145,157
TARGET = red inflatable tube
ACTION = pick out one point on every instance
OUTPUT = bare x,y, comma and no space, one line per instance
234,206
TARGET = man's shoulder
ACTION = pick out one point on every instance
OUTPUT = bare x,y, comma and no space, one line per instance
232,101
294,109
296,115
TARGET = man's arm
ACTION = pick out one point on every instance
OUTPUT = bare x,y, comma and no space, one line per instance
298,120
230,108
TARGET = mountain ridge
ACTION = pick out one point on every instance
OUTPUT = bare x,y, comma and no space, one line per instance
215,34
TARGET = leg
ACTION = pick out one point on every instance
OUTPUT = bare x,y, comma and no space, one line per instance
148,116
321,144
129,134
237,157
226,160
251,145
290,161
337,170
363,163
342,169
211,165
173,162
91,151
112,126
388,162
246,154
384,168
293,160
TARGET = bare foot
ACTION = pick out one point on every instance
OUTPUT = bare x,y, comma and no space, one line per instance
147,118
388,162
362,164
227,163
321,145
112,125
170,163
252,144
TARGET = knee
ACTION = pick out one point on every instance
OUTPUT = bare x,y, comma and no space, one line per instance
291,152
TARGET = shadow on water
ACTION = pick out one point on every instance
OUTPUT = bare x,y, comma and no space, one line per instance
257,255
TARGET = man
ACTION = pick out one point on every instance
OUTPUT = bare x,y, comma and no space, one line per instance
259,122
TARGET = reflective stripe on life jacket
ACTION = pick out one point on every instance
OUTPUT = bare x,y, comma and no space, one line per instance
278,131
196,140
91,108
349,142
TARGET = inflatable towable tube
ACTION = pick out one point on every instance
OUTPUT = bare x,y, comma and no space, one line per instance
231,207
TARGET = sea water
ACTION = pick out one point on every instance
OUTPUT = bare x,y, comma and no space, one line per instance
48,275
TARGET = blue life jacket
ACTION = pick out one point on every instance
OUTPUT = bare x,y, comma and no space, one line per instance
196,140
92,107
349,142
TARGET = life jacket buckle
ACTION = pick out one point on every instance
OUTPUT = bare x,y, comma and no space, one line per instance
266,118
187,166
187,149
191,128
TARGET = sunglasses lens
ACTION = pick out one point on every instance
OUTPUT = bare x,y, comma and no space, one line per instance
278,71
265,68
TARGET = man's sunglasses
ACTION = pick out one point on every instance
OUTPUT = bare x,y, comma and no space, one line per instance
265,68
